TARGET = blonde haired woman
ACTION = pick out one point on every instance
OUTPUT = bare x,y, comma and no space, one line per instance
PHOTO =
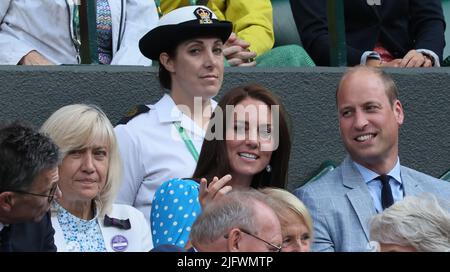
85,218
295,220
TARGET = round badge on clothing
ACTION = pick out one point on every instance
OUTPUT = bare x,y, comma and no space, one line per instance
119,243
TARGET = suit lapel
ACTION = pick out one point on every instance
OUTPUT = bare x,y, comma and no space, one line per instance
410,185
358,195
5,239
375,10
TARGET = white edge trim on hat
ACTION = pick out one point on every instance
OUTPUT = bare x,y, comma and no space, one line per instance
181,15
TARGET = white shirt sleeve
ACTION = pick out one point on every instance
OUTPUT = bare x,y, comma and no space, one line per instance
141,17
370,55
132,172
430,54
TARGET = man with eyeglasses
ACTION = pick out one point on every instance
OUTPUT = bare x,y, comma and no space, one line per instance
28,184
241,221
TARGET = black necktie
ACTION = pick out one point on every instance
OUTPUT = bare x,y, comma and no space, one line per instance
4,239
386,193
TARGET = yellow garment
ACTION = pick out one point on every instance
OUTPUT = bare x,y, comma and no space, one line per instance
252,19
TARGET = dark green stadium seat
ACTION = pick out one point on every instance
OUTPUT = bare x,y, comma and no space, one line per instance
323,169
446,176
446,9
283,24
446,62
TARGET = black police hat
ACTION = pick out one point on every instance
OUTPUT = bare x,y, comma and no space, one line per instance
182,24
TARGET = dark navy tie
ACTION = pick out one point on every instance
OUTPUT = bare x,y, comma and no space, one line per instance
386,193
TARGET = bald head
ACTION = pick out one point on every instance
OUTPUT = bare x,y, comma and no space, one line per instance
232,223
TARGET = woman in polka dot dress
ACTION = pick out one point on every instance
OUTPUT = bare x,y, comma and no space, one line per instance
255,154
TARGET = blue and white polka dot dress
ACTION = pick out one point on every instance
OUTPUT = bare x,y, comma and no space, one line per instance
174,209
80,235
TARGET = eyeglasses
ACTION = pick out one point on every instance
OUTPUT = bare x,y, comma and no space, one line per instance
273,246
50,196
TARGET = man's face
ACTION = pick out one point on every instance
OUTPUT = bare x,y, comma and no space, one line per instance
268,232
28,207
368,123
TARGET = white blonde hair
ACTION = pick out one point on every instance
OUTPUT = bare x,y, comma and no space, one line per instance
420,222
288,201
77,126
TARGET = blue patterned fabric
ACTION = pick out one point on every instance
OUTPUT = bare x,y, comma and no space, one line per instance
104,32
82,235
341,205
175,208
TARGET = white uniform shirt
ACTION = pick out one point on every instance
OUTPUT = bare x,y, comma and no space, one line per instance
152,152
46,26
137,238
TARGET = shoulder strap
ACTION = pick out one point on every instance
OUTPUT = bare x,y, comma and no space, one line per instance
133,113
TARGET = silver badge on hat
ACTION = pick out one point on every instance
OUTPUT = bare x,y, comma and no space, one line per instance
203,15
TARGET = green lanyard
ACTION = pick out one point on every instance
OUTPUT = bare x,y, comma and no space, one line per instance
187,141
76,26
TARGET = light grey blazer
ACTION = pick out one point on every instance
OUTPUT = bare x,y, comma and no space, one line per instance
341,206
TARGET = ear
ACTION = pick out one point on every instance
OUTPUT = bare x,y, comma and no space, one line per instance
234,237
398,111
166,61
6,201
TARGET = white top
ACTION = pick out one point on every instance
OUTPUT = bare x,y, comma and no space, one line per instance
46,26
137,238
152,152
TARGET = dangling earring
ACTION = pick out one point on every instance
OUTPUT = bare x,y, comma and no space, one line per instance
268,168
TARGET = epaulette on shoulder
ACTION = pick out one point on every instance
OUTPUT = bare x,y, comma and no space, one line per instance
133,113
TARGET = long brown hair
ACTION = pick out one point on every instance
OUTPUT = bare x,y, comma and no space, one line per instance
214,161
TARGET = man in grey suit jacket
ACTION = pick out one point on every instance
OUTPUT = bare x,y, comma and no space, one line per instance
343,201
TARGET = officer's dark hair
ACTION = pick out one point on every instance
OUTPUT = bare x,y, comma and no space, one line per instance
24,154
164,75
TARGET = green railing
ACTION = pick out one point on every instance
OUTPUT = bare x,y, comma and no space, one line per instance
88,31
336,30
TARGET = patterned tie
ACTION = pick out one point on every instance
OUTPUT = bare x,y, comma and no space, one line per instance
386,193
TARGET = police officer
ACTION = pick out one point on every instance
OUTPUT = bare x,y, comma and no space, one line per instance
162,141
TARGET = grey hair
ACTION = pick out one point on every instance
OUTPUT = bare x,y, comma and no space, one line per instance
24,154
420,222
234,210
77,126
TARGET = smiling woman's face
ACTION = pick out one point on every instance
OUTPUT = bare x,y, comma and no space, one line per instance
296,235
251,128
